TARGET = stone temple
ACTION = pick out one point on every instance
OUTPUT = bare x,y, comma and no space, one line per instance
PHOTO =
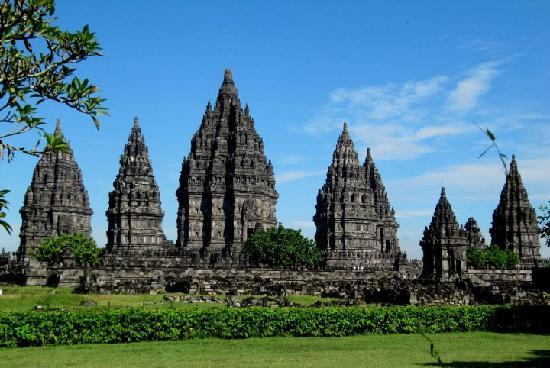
515,225
227,186
56,202
135,216
354,221
444,243
227,191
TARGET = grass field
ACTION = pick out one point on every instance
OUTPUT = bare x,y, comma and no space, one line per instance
456,350
18,298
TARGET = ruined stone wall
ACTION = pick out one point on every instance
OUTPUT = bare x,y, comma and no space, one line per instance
380,287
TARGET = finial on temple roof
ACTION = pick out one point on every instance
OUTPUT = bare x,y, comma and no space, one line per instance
58,131
228,76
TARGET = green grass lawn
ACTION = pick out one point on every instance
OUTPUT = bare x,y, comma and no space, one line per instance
457,350
19,298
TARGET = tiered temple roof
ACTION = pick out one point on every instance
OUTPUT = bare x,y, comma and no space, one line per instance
515,225
134,215
56,202
444,244
227,186
475,238
352,211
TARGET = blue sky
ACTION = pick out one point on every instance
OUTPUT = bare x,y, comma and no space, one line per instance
411,78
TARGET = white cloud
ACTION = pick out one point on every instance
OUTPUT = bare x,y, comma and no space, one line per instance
484,45
296,175
472,182
408,120
291,159
413,213
468,91
302,224
394,141
390,100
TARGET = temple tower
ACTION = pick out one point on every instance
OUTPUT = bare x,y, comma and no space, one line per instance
56,202
515,225
444,244
134,215
353,219
387,227
475,238
227,186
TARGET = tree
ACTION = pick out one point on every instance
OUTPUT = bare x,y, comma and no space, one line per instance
3,207
36,65
85,250
492,257
544,222
281,247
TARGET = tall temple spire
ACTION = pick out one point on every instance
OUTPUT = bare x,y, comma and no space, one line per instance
227,186
444,244
227,76
56,201
347,217
475,238
381,201
58,132
228,90
515,224
345,154
135,216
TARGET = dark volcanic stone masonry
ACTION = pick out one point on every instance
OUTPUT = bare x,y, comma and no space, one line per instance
227,191
227,186
135,216
56,202
475,238
514,220
444,244
354,221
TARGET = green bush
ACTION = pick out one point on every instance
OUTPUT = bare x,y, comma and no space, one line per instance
544,222
84,249
281,247
110,326
492,258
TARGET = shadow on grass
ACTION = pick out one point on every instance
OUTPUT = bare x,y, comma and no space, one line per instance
538,358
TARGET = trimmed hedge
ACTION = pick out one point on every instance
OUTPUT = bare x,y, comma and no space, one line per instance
112,326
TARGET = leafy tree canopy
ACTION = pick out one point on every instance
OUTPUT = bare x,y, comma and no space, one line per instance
281,247
37,62
4,206
85,250
544,222
492,257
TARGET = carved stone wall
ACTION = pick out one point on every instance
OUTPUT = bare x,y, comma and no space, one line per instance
444,244
56,201
135,216
227,186
385,287
515,224
353,219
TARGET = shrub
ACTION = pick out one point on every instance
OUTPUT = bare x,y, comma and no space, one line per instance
492,257
281,247
544,222
110,326
53,249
